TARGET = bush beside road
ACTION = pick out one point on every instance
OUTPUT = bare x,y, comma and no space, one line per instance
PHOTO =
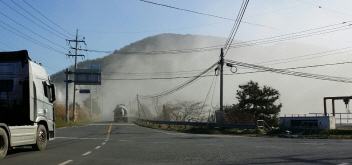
322,134
83,116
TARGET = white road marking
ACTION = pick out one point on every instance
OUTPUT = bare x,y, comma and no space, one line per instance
103,143
269,147
79,138
343,164
97,147
126,141
164,143
87,153
106,140
209,145
313,143
111,124
66,162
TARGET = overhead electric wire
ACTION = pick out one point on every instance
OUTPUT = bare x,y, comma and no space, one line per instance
321,54
30,38
48,18
276,39
284,37
32,20
148,31
39,19
195,78
33,31
210,15
9,46
211,75
236,26
206,98
261,14
233,27
292,73
153,73
321,7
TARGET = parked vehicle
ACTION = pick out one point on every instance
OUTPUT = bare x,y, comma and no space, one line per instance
120,113
26,97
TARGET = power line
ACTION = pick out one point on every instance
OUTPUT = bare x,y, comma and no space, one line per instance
192,80
7,45
30,38
210,15
321,7
149,31
291,36
321,54
211,75
32,31
285,60
206,98
236,26
47,18
31,20
284,37
292,73
152,73
39,19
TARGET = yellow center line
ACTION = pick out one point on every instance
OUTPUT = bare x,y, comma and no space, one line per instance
107,138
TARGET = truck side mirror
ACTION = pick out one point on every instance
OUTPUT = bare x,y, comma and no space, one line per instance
52,91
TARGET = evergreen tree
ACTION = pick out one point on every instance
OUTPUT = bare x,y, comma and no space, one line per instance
260,103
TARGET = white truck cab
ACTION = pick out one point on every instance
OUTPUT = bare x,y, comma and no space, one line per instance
26,97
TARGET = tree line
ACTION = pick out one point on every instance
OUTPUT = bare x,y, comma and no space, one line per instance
253,103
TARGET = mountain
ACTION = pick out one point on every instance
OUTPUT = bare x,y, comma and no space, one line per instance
172,58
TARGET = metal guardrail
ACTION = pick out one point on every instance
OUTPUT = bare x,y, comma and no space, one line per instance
201,124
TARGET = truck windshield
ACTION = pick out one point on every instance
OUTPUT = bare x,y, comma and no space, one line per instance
6,85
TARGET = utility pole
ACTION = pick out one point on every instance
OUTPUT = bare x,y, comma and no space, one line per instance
74,84
221,80
91,110
139,114
102,100
67,72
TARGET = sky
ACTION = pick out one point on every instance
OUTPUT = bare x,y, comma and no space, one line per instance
109,25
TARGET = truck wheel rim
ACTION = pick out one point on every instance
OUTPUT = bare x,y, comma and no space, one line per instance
41,137
2,143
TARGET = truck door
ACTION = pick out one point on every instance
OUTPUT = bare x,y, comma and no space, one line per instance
47,106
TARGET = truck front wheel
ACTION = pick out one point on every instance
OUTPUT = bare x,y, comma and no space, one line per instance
4,143
42,138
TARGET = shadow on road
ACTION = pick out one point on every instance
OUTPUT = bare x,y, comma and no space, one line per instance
20,150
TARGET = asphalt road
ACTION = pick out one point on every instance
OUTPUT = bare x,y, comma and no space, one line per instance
106,142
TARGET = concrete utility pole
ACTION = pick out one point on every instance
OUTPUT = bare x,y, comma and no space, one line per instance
74,84
139,114
91,110
221,80
67,114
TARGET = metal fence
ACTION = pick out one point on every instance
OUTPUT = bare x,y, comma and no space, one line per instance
341,118
200,124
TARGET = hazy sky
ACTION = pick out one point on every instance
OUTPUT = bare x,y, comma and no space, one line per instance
111,24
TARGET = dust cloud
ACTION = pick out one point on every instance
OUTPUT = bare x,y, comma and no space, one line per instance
298,95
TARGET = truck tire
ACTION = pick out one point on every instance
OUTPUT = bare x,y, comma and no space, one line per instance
42,139
4,143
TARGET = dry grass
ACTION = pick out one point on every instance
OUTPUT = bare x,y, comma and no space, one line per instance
83,116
